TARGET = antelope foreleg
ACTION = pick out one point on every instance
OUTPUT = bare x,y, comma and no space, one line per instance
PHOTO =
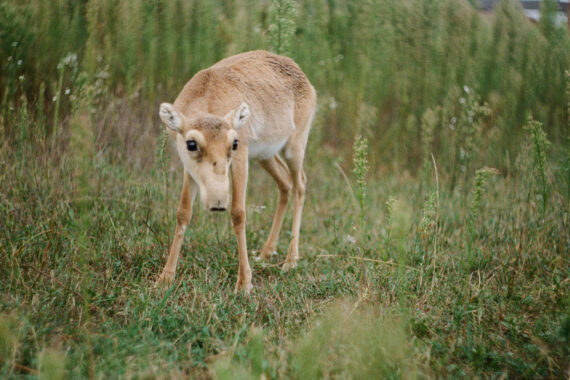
183,216
239,184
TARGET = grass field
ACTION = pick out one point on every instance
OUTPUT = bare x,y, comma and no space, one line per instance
438,248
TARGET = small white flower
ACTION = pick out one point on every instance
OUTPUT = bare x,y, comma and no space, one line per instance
453,120
462,100
466,89
332,103
350,239
21,78
19,62
67,91
15,43
103,74
70,59
257,208
54,99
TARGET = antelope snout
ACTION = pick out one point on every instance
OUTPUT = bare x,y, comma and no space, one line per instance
217,199
218,206
215,192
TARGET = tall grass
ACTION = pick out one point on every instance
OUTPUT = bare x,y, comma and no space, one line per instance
404,58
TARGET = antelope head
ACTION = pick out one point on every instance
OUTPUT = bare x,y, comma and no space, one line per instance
206,144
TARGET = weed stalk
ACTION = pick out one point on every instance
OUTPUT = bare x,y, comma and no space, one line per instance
539,144
482,177
282,29
360,169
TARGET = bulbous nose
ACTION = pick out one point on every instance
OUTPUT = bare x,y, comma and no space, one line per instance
215,192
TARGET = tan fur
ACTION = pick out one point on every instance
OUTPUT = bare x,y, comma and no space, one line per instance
267,103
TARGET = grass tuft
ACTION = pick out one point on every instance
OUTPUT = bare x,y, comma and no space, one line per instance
364,343
52,365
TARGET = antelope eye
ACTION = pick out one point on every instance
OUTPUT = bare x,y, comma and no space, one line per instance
191,145
235,144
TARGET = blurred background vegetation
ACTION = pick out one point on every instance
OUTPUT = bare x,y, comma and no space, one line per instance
382,68
443,251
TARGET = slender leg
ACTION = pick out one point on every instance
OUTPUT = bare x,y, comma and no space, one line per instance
299,181
294,155
280,173
183,216
239,184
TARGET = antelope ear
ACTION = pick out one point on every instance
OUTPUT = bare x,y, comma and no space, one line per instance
239,116
172,118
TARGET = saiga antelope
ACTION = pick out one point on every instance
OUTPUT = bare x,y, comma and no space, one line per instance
252,105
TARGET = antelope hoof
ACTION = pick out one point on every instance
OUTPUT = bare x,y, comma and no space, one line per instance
288,266
165,279
265,255
241,287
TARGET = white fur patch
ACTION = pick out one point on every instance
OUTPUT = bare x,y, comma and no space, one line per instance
263,151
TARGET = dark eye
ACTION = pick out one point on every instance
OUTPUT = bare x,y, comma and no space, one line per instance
235,144
191,145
